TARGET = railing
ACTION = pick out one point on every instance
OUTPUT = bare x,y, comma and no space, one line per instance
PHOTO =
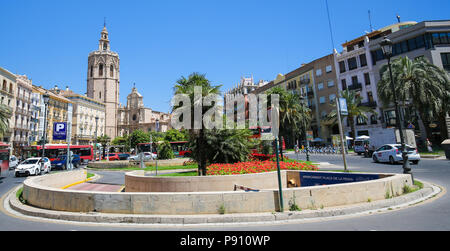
357,86
369,104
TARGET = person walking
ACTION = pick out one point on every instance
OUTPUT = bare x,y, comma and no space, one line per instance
429,146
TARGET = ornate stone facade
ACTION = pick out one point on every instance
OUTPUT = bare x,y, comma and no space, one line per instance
134,116
103,81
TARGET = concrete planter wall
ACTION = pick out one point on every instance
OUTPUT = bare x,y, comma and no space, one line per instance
42,192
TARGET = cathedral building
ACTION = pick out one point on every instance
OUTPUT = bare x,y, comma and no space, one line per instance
103,81
135,116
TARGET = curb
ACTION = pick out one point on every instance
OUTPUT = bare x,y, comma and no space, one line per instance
16,207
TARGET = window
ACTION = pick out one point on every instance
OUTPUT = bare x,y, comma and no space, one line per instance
354,80
320,86
100,95
322,100
367,78
412,44
319,72
328,69
446,61
330,83
363,60
100,70
332,98
111,71
344,84
360,120
352,64
342,66
92,71
373,120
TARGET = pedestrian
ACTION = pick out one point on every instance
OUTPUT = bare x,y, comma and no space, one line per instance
428,143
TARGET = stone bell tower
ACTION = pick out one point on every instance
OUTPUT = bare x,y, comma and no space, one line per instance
103,80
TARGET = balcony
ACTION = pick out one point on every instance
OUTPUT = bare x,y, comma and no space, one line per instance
355,86
372,104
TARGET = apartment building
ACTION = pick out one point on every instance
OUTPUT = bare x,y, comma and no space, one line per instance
88,117
429,39
355,72
316,83
23,114
57,111
7,98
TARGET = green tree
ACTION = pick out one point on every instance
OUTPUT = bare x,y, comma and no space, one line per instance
174,135
355,110
5,116
104,141
295,117
224,145
137,137
197,137
419,83
165,151
122,141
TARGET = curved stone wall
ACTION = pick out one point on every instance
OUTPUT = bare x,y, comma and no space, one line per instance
43,193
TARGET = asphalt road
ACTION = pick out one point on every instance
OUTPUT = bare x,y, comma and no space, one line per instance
433,215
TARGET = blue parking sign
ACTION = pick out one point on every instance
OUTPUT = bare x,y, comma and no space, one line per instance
60,131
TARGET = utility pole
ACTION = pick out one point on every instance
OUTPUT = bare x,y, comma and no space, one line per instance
341,133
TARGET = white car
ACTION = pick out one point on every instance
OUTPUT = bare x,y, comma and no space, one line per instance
147,157
13,162
33,166
392,153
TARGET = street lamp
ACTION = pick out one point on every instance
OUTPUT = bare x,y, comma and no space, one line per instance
386,46
95,145
46,98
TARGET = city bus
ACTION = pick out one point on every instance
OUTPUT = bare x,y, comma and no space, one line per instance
4,159
179,148
52,151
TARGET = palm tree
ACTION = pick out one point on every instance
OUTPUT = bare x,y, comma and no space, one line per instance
197,137
294,116
5,115
419,83
355,110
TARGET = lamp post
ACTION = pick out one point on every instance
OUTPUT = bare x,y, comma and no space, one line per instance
386,46
95,144
46,98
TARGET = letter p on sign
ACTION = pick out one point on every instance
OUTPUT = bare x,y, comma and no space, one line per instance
60,127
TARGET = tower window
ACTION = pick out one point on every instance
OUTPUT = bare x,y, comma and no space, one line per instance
100,70
100,95
111,71
105,46
92,71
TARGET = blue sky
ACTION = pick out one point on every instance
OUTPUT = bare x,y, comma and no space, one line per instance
160,41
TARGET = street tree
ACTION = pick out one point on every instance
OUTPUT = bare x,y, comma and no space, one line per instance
355,110
197,137
294,115
418,83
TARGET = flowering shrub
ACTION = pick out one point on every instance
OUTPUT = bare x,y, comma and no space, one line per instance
257,167
264,157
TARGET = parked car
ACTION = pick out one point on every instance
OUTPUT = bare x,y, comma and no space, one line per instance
147,157
113,156
61,162
33,166
392,153
124,156
13,162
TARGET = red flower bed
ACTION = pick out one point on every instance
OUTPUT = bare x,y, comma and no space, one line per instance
257,167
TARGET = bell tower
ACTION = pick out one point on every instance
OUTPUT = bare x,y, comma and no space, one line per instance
103,81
